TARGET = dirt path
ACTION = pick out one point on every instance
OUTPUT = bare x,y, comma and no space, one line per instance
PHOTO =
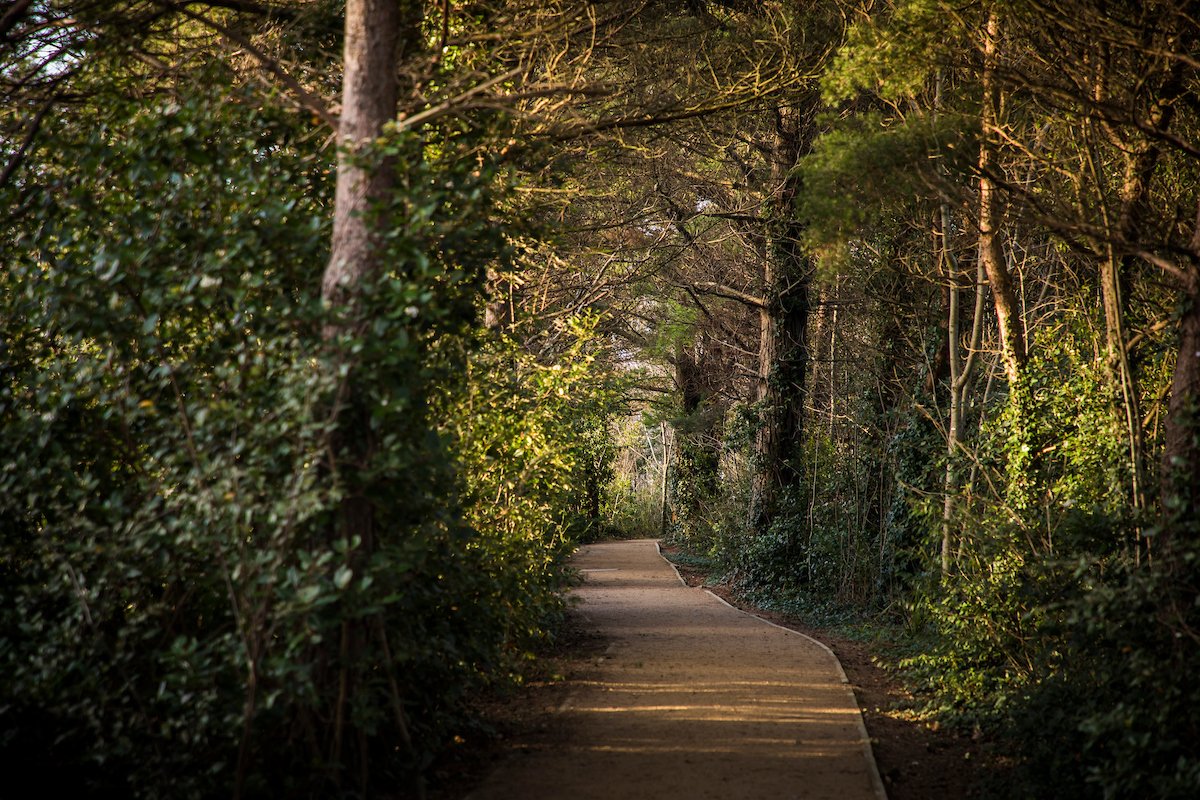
693,699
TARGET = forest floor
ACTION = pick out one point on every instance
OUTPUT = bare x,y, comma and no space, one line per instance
662,690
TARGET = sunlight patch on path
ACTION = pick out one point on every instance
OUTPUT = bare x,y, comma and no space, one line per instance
693,698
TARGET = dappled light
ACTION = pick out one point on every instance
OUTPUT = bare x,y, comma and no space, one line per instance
354,352
704,693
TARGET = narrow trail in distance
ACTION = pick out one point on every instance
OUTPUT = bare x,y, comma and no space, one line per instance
692,699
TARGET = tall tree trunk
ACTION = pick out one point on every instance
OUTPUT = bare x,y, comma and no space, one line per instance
835,297
1112,271
1141,163
1115,267
370,87
783,346
961,371
376,32
950,265
991,252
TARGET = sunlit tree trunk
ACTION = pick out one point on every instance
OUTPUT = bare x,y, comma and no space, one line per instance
991,253
376,34
369,95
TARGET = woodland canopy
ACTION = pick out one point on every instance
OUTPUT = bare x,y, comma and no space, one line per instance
328,329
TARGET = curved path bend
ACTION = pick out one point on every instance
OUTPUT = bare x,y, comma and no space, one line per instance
693,699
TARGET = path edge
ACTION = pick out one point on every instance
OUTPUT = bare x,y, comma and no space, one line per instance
678,574
864,737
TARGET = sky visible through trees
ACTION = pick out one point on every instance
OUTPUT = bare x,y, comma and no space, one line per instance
330,328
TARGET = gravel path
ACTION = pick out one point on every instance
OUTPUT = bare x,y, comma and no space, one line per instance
693,699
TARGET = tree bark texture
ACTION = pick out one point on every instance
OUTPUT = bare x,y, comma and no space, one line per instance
783,344
991,252
375,31
369,95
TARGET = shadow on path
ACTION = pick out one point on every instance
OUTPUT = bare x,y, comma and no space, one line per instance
692,699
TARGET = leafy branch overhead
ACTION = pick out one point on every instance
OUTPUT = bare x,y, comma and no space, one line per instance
329,329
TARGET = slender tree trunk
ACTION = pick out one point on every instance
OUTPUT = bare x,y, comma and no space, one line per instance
1141,163
833,332
1112,269
958,372
991,253
950,488
961,371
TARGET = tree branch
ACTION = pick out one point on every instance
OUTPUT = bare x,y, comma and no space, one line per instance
34,126
729,293
1172,269
12,17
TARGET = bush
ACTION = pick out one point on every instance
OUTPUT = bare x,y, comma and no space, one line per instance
1112,704
180,613
1048,632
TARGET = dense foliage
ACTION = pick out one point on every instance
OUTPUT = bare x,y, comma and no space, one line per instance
998,404
179,617
889,309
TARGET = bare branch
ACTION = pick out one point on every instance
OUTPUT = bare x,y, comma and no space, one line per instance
1172,269
730,293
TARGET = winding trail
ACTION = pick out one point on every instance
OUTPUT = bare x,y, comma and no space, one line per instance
693,699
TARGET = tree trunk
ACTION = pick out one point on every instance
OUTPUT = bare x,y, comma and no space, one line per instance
1112,270
961,372
950,264
783,346
833,342
698,443
369,95
1141,162
991,253
375,32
